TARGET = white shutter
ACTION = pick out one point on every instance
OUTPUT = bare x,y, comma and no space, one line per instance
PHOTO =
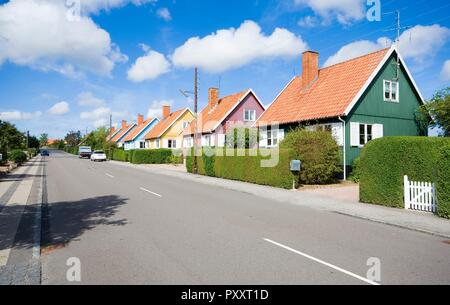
377,131
165,143
354,134
338,134
213,139
280,135
203,142
263,138
221,140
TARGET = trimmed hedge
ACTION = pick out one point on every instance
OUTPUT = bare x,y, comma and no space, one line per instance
151,156
443,182
120,155
248,168
18,156
385,161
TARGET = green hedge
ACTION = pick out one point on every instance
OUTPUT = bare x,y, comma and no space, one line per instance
120,155
248,168
385,161
443,182
18,156
151,156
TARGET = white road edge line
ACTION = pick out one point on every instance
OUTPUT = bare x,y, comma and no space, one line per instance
153,193
110,176
322,262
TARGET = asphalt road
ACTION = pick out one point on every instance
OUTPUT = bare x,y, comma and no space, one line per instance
127,226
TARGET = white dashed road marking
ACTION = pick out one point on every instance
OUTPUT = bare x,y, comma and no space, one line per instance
153,193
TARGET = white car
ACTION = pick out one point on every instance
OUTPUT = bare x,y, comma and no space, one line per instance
98,155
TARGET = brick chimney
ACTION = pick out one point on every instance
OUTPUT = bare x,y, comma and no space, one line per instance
124,124
113,130
213,97
165,112
140,119
310,68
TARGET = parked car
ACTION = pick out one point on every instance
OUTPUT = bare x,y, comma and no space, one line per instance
98,155
85,152
44,152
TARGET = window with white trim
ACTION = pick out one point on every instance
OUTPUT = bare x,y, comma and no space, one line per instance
172,144
157,144
272,138
249,115
391,91
365,134
185,125
142,144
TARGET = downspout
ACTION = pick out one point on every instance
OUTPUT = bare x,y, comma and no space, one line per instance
345,145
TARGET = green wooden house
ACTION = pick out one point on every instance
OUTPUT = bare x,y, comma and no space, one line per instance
358,100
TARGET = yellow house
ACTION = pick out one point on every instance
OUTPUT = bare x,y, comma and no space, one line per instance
168,133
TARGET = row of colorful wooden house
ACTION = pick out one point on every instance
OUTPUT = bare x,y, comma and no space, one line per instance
357,100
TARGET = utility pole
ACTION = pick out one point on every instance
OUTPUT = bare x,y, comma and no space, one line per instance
28,139
195,165
110,136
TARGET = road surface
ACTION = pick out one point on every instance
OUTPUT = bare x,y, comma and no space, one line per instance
127,226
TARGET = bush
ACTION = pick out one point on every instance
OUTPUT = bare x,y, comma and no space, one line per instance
385,161
319,153
153,156
32,152
120,155
242,137
443,182
17,156
355,176
248,167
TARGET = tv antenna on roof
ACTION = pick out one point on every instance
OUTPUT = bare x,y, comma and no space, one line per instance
398,29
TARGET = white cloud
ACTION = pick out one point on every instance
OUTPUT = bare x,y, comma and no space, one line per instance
344,11
19,115
98,113
100,116
38,34
155,110
60,108
308,22
164,13
356,49
445,72
88,99
233,48
94,6
148,67
419,43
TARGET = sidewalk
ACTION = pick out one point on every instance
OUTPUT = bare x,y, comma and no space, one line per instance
20,205
417,221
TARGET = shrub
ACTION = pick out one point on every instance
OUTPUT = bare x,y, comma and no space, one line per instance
32,152
385,161
175,159
443,182
17,156
242,137
120,155
153,156
248,167
355,176
319,153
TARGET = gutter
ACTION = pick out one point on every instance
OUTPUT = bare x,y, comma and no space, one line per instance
345,152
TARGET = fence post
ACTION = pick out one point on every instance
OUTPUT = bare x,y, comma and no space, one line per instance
406,191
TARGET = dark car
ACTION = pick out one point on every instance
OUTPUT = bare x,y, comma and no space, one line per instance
45,153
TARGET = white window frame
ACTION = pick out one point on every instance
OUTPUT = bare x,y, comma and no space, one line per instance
172,144
273,138
142,145
249,115
157,144
185,124
366,134
390,83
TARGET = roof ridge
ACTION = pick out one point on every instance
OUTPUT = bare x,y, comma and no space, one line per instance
355,58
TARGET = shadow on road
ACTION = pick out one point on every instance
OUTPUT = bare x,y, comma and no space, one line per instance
62,222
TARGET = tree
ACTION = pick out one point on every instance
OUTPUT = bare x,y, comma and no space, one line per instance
436,112
73,138
43,139
33,142
58,144
10,138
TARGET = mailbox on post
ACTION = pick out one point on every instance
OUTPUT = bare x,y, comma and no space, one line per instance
296,167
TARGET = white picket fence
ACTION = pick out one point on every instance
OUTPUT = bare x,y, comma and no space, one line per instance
420,196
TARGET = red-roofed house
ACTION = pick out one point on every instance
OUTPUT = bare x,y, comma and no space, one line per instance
136,137
240,109
368,97
124,130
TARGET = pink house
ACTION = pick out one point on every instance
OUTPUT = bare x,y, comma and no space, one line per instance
240,109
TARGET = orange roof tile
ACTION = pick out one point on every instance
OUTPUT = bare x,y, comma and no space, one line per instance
137,130
210,117
121,133
329,96
163,125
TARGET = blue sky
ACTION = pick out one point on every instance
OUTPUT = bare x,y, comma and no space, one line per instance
61,71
